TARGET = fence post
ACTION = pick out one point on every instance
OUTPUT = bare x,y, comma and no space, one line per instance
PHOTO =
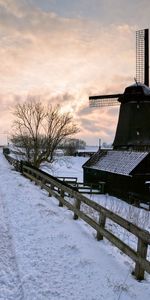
102,221
21,166
91,188
43,181
102,187
61,195
36,177
77,205
51,187
141,252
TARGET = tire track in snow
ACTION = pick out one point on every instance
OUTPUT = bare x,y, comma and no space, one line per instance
10,283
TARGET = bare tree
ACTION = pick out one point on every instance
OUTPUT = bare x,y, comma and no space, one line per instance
39,130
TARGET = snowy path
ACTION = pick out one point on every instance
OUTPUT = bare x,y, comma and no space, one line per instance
10,284
48,256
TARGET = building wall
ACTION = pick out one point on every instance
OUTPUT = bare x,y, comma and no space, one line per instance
119,185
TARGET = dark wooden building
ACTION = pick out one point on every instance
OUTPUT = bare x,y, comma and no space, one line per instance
125,173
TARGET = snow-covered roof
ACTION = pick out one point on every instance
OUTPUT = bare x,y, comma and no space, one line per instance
119,162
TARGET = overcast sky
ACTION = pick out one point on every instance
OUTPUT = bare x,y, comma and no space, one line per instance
67,50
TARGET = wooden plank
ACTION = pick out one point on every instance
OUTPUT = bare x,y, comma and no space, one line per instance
142,252
77,206
51,180
137,231
102,221
61,196
86,188
31,177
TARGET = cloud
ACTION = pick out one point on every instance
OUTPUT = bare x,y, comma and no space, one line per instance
97,123
62,59
65,60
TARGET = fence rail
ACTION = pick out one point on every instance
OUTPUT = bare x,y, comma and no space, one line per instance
16,163
61,190
90,188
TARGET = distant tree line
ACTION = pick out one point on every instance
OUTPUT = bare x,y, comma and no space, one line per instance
70,146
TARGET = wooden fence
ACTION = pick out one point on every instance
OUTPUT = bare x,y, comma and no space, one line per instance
57,189
62,190
14,162
83,188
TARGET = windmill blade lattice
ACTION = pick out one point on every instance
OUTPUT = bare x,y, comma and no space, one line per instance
104,100
142,56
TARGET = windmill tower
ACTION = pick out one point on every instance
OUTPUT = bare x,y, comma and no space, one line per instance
126,168
133,129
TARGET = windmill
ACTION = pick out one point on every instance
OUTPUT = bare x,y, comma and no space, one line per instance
133,129
125,170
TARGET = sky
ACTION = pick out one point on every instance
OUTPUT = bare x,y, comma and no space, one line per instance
66,51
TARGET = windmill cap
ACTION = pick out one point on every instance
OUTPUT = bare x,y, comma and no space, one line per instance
135,92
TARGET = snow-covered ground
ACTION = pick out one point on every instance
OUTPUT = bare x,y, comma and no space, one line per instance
66,166
46,255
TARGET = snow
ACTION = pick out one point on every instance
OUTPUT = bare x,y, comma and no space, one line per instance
46,255
66,166
10,284
119,162
89,149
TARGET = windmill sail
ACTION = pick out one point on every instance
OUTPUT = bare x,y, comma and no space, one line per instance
133,93
104,100
142,56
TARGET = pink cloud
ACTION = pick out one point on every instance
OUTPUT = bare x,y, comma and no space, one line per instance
44,54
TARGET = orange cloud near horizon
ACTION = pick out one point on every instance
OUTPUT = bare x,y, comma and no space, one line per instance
52,56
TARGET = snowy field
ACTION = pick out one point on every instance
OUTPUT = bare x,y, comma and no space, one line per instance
46,255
